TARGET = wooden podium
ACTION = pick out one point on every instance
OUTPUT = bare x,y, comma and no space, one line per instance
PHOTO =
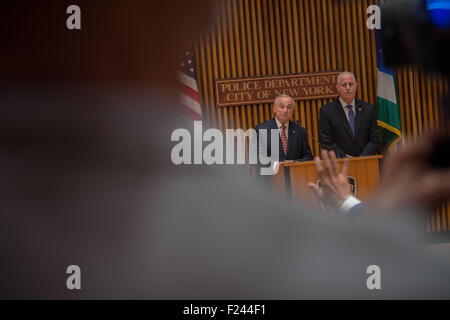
292,179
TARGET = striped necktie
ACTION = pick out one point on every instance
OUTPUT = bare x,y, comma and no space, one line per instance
351,118
284,138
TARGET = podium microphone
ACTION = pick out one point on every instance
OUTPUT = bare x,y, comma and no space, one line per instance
314,139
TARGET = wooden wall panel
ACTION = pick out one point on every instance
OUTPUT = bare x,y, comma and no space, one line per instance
274,37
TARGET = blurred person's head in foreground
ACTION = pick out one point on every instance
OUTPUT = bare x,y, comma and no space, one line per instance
87,177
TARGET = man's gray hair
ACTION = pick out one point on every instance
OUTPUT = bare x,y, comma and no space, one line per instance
283,95
345,73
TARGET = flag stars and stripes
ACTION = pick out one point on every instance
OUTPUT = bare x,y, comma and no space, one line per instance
188,85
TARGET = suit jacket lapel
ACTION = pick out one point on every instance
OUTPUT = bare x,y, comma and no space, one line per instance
343,117
291,137
274,125
358,116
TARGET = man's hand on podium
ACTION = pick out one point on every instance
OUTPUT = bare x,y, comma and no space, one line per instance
287,161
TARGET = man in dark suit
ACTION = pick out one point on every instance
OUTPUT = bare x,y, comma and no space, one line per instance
293,142
348,125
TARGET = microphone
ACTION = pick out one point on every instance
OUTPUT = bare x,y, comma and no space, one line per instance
314,139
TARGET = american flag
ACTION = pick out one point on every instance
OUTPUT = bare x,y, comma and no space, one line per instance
188,85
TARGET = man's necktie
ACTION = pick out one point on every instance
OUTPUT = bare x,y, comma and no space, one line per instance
351,118
284,138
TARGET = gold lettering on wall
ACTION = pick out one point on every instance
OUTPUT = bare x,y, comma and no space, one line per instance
305,86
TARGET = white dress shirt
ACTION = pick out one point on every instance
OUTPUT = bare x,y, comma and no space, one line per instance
348,203
346,104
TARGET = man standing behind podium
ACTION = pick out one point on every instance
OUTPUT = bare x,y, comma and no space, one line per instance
293,144
348,125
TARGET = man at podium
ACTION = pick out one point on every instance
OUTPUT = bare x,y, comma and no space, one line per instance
348,125
293,142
